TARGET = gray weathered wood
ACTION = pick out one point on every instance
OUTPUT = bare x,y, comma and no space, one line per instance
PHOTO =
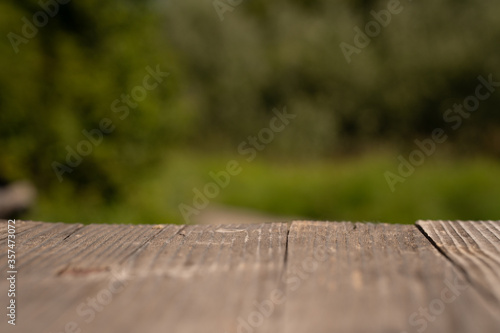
174,278
374,278
21,227
202,279
242,278
475,248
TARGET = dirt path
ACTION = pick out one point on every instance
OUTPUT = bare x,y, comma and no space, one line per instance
216,214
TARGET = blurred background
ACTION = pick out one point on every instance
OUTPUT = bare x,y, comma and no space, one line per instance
229,66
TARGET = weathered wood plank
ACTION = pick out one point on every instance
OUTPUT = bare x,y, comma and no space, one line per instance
35,239
150,278
204,278
376,278
76,259
21,227
242,278
475,248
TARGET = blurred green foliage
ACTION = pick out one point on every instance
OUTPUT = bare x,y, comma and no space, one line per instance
335,190
225,78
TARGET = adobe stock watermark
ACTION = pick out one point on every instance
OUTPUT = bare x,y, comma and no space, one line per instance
291,282
454,117
223,6
40,19
250,147
373,28
121,106
420,319
88,310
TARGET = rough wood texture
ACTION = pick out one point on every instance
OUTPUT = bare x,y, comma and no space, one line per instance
376,278
145,278
279,278
475,248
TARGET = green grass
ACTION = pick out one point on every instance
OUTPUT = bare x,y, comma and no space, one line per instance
349,189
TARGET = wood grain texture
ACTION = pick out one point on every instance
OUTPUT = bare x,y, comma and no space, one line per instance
375,278
146,278
21,226
475,248
279,278
202,278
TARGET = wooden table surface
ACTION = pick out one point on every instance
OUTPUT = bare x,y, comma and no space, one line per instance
314,277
